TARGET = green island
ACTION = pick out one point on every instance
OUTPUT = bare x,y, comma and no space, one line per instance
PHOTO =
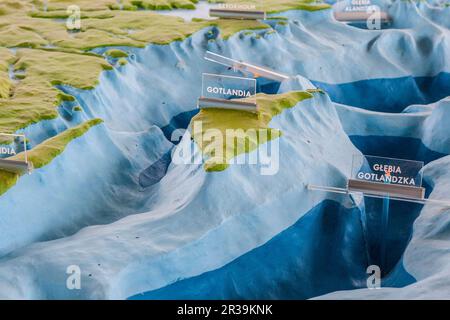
38,52
116,53
246,128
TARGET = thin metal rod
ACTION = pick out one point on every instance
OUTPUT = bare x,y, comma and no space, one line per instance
384,231
346,191
246,67
12,135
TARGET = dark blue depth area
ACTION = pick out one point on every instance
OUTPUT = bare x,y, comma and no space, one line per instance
155,172
267,86
395,236
180,121
363,25
389,95
398,277
401,214
395,147
322,252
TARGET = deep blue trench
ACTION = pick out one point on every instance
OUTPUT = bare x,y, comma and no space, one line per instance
389,95
401,214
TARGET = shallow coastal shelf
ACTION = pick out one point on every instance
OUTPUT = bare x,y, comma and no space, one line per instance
379,195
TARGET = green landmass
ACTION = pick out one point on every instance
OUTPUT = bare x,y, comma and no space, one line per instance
45,152
5,83
275,6
48,54
96,5
315,90
242,140
116,53
122,61
35,97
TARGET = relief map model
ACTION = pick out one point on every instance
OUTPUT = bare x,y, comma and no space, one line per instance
234,149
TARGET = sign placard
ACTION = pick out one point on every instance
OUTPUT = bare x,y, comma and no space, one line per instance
252,10
366,14
228,88
358,6
13,153
387,170
241,5
11,145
